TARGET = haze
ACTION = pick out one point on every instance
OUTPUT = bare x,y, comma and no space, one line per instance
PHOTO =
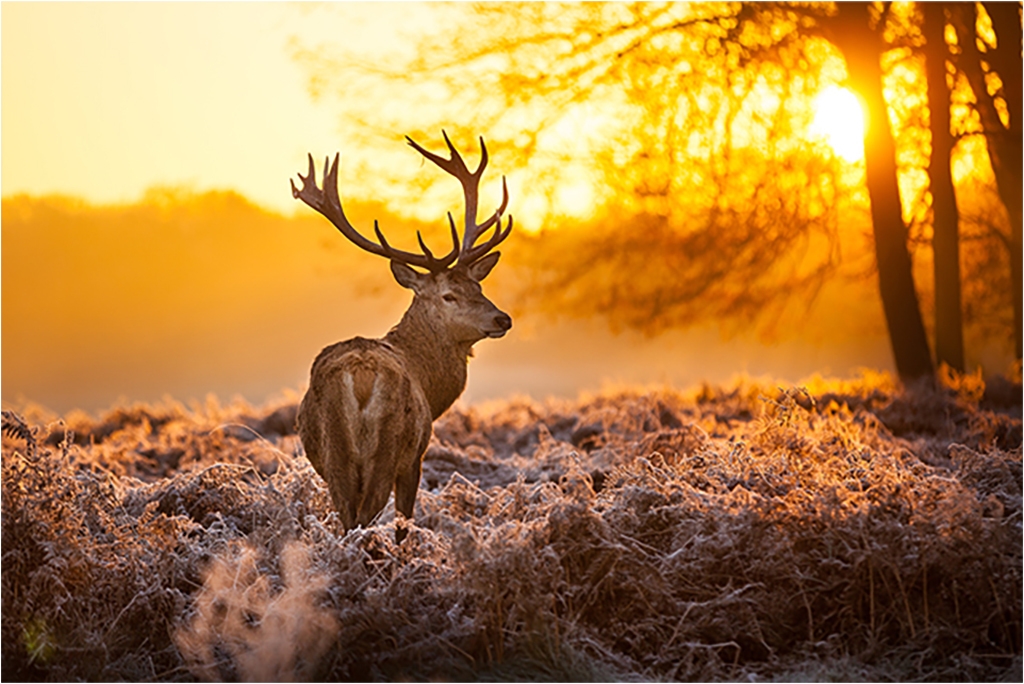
115,295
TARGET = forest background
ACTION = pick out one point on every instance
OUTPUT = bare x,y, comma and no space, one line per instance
151,246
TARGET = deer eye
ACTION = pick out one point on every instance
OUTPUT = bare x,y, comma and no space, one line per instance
449,297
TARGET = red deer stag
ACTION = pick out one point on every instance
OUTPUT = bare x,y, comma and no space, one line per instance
366,418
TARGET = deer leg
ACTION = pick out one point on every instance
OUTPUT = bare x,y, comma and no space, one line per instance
346,507
406,486
376,497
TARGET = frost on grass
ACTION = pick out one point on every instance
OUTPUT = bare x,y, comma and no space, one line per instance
839,530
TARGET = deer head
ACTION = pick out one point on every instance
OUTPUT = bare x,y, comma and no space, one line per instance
449,290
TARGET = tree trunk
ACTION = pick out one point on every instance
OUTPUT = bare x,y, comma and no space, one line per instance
862,48
949,338
1004,144
1006,60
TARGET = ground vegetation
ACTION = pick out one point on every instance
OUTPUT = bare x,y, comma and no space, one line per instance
837,530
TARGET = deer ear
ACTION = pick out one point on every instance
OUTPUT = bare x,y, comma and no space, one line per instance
406,276
478,270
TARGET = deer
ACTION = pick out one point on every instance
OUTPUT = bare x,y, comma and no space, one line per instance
366,418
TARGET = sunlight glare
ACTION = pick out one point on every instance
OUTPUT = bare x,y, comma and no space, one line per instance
839,120
575,198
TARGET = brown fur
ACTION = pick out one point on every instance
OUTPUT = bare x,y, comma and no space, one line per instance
363,381
366,418
364,425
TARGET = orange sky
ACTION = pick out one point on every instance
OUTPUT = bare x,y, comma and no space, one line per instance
103,100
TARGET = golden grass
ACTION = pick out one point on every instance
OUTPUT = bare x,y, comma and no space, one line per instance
840,530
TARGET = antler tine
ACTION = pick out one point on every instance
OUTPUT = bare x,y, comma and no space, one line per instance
423,246
470,181
498,212
496,239
470,252
454,166
327,202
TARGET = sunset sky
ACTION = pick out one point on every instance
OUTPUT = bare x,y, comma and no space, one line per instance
104,100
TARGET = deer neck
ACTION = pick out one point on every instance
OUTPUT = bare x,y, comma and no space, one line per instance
435,360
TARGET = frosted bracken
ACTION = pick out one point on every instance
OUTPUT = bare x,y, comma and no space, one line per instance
845,530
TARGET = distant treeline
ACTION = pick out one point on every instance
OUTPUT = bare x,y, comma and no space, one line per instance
104,301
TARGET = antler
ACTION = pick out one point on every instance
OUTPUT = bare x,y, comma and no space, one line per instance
327,202
470,185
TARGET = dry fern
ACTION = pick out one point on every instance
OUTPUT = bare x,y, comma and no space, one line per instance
847,530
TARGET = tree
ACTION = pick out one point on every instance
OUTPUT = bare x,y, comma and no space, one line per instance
712,204
949,340
859,36
999,88
687,120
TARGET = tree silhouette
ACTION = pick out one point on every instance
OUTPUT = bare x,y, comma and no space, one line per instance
710,205
995,78
688,121
859,35
949,340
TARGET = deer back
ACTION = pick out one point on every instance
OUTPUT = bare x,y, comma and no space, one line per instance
363,420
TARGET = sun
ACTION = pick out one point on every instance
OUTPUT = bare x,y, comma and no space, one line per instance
839,120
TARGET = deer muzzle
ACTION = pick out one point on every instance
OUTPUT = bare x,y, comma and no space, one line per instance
502,324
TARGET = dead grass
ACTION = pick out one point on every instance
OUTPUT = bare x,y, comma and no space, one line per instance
845,530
